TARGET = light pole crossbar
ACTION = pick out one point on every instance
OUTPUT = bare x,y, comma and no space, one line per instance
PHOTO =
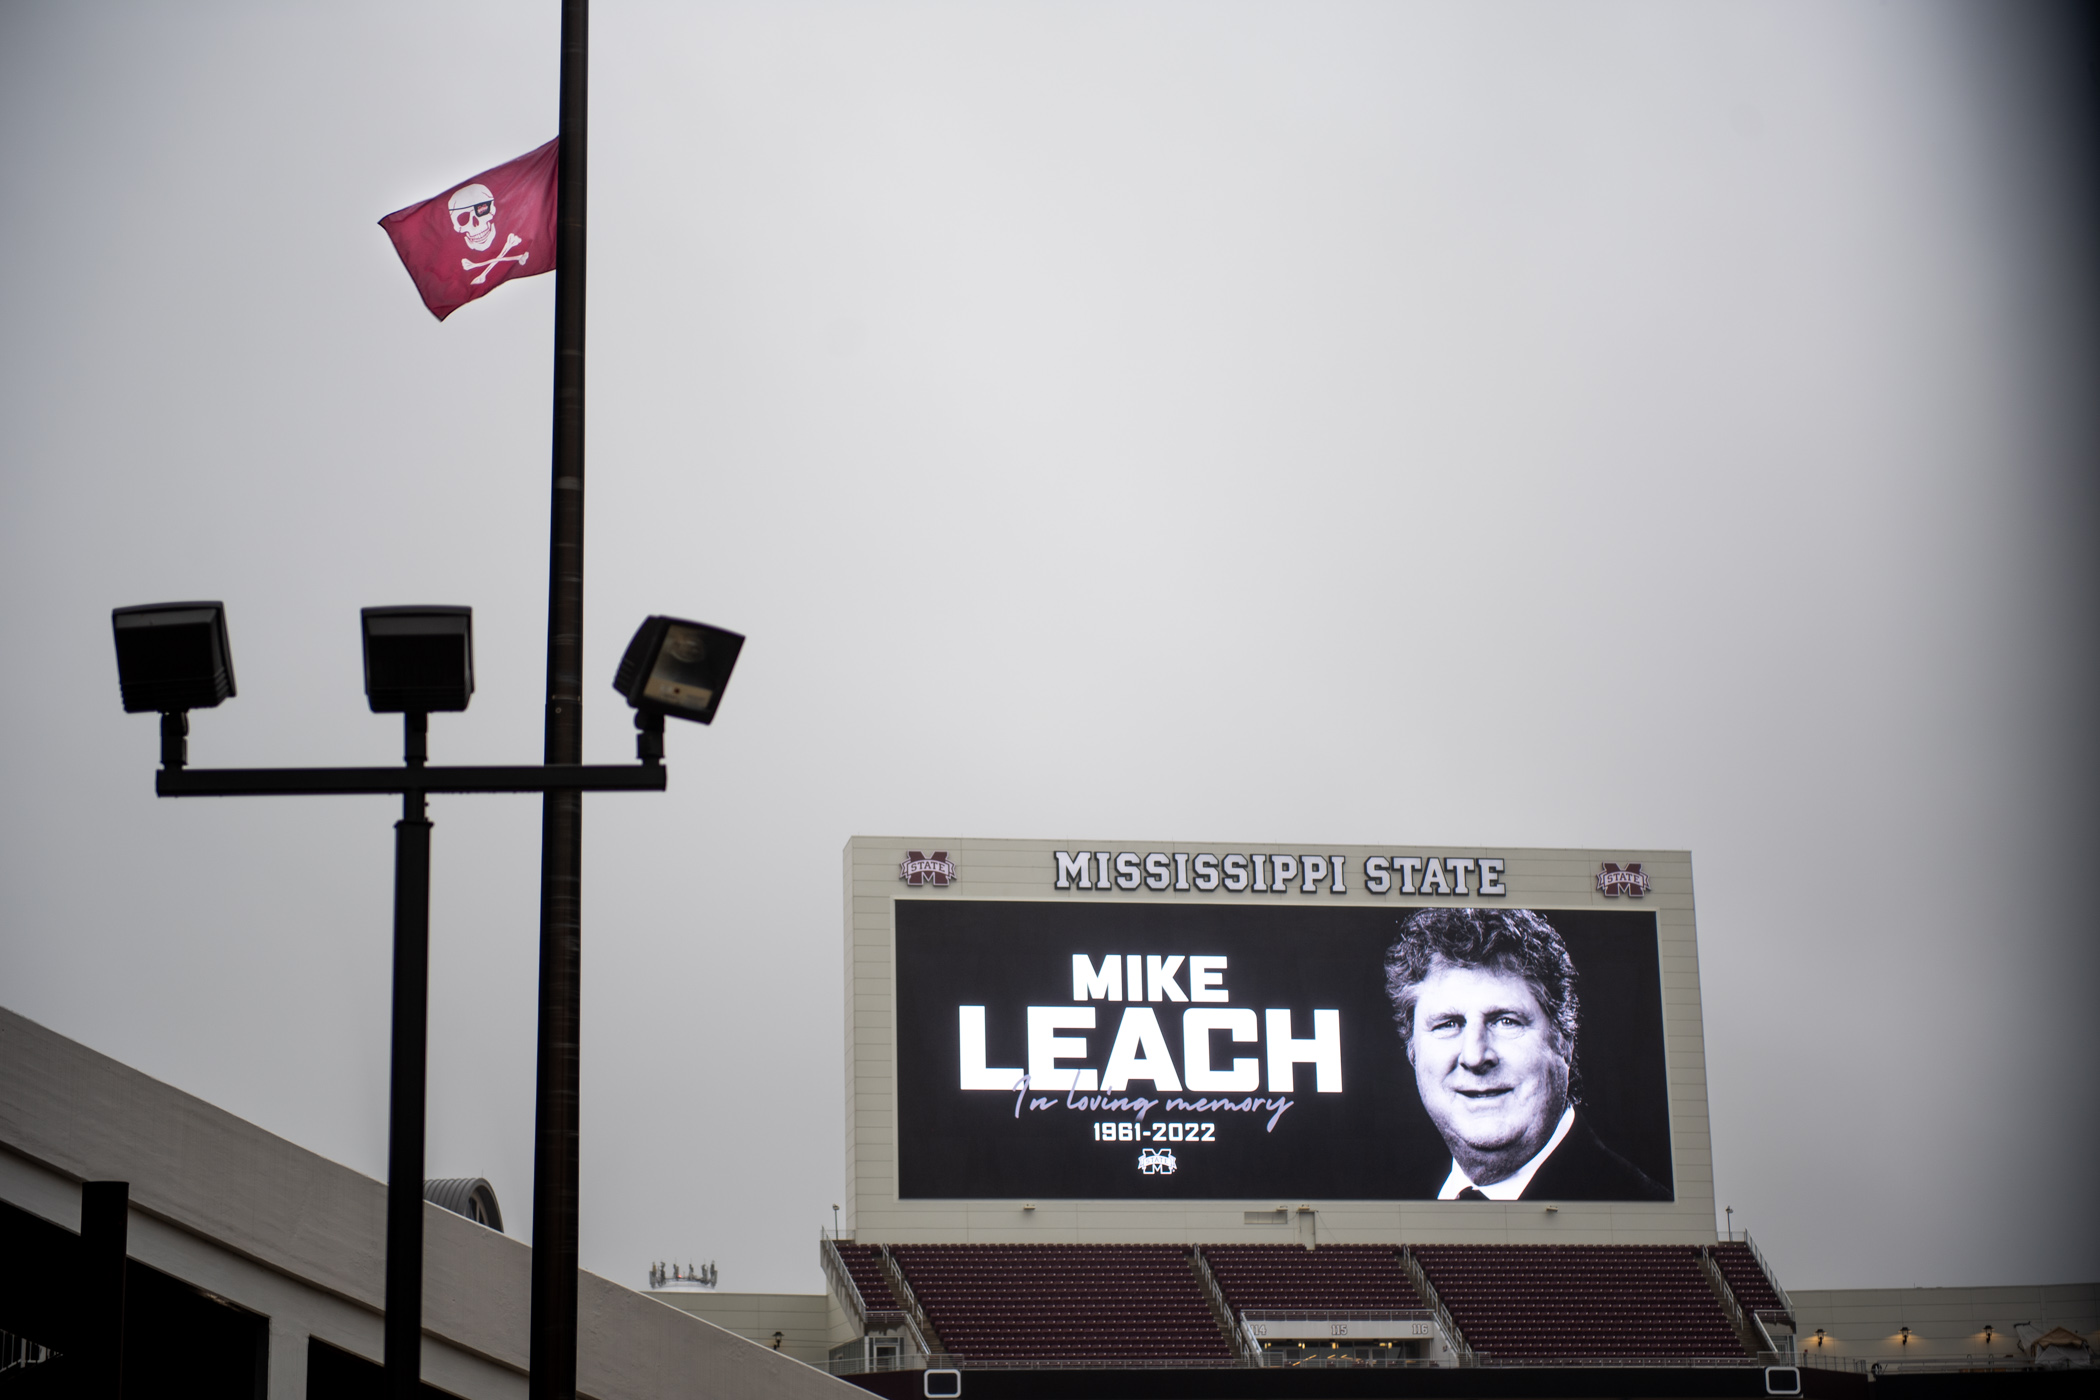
318,782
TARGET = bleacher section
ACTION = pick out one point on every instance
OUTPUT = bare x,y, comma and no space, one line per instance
1568,1302
1063,1302
1048,1303
1754,1292
1343,1277
864,1267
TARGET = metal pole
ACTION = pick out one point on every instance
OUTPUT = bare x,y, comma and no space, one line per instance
405,1127
554,1157
105,1227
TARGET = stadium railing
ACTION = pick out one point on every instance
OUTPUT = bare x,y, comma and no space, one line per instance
1454,1340
867,1319
1220,1307
847,1366
1771,1277
1750,1335
1252,1318
922,1328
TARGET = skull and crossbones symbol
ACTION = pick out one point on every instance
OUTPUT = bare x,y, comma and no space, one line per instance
473,211
474,215
510,241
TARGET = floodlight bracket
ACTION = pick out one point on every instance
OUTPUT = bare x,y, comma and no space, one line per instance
649,736
174,739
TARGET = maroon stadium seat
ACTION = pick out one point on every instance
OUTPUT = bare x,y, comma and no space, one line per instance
1342,1277
1746,1278
1063,1302
864,1267
1571,1302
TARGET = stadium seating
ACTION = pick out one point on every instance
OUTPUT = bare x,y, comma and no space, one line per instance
1568,1302
1746,1278
1050,1303
1064,1302
1333,1277
864,1267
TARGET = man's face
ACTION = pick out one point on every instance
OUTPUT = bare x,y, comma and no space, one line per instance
1489,1067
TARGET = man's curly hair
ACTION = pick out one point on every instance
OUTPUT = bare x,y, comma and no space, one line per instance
1516,941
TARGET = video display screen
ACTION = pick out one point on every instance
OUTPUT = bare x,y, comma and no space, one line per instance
1074,1050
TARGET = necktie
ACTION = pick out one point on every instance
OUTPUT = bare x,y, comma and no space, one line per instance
1472,1193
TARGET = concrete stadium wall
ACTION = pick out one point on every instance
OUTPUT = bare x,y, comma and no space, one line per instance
1867,1323
1011,869
229,1208
804,1320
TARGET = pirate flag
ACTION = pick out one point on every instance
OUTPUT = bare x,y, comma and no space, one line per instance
464,243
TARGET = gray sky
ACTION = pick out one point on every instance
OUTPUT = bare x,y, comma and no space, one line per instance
1591,425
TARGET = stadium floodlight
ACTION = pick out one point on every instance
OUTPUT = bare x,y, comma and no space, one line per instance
418,659
676,667
172,656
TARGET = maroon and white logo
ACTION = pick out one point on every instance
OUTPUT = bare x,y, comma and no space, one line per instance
922,869
1613,882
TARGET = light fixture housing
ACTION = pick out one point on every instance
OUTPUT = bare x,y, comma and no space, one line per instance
172,656
418,659
678,668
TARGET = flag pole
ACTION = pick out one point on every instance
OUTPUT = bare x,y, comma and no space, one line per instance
554,1156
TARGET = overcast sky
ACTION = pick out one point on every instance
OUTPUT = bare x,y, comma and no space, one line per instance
1655,425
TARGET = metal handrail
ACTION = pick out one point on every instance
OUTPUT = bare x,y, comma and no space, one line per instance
1737,1318
1220,1306
1703,1363
948,1361
864,1316
842,1366
1765,1264
922,1327
1349,1359
1339,1314
918,1338
1900,1364
842,1279
1764,1317
1454,1340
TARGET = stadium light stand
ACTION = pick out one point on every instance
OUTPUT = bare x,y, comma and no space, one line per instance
174,658
418,658
674,667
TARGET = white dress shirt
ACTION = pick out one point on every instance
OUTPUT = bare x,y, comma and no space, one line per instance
1512,1186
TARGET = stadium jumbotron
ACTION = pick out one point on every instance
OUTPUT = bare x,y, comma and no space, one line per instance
1168,1118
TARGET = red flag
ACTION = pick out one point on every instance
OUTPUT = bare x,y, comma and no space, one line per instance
468,241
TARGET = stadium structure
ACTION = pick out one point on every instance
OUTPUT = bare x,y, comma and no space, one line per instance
1122,1119
1139,1118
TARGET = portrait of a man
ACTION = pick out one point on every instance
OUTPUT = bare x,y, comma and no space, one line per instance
1485,1002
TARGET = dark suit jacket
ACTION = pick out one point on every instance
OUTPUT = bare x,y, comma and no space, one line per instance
1582,1168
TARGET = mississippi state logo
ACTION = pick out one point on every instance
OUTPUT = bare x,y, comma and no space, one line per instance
1613,882
922,869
